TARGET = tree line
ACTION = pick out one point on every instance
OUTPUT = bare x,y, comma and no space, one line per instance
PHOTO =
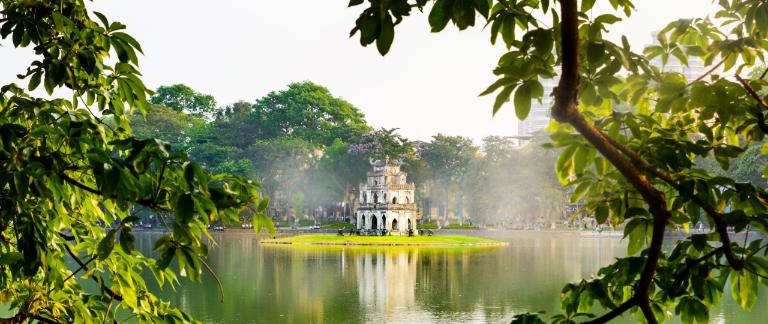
309,150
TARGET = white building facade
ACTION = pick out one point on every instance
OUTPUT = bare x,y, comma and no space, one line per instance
387,201
539,118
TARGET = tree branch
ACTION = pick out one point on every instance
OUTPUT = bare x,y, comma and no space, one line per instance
83,265
109,291
680,276
150,203
758,114
565,110
616,312
701,77
717,217
752,92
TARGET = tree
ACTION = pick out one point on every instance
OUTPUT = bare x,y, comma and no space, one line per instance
308,111
345,171
446,159
512,185
71,185
238,125
383,144
163,123
282,167
634,166
182,98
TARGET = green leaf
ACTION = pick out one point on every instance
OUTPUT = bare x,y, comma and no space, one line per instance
601,213
185,208
502,97
129,40
587,5
607,19
691,309
129,219
496,85
387,35
127,240
106,245
672,84
525,93
166,257
522,102
483,7
34,81
102,18
262,221
508,29
263,204
637,236
595,52
744,288
440,15
545,5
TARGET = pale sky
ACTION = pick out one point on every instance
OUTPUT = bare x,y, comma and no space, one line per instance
241,50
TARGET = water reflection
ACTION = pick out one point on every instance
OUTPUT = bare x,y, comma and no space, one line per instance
386,281
280,284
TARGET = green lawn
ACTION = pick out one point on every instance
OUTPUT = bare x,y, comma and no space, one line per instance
333,239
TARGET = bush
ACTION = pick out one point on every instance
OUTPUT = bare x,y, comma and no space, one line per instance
338,225
459,226
426,226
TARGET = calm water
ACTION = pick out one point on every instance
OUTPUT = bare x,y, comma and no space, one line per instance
279,284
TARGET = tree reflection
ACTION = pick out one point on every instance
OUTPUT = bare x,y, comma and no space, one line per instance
312,284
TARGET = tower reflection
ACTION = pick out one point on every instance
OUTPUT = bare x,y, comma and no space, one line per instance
386,281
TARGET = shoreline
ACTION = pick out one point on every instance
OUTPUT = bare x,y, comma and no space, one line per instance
426,241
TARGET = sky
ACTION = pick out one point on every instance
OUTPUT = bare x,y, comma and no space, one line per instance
241,50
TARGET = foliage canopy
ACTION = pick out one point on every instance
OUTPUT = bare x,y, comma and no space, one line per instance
630,134
71,185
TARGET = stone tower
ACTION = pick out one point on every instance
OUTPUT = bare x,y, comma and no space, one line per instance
386,199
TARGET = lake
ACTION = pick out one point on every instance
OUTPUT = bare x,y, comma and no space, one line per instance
285,284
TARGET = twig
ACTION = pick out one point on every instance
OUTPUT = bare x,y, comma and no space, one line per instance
752,92
743,255
82,266
616,312
145,202
109,306
701,77
215,277
109,291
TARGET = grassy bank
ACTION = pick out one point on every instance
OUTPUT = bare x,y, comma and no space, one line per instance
438,240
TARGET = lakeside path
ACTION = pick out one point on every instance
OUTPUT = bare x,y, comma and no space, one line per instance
433,241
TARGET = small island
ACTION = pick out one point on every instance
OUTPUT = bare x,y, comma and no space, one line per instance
391,240
386,216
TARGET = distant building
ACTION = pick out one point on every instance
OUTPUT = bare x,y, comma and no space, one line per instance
387,200
539,117
693,70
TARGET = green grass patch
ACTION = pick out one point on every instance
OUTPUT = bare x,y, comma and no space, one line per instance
333,239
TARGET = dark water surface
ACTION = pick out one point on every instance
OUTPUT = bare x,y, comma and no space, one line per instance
283,284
